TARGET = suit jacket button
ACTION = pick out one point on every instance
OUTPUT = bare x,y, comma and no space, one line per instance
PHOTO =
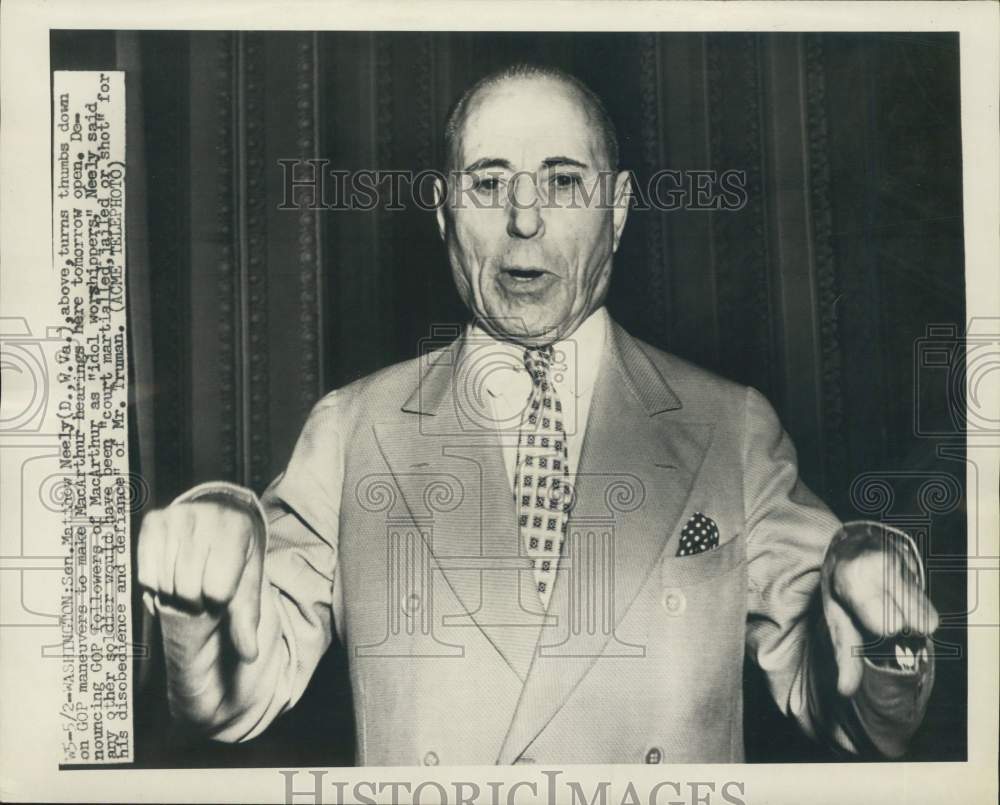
654,755
674,602
431,759
411,604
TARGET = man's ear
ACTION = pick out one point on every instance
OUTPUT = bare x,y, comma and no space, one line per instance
622,202
440,202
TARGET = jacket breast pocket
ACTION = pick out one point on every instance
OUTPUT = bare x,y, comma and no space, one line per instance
687,571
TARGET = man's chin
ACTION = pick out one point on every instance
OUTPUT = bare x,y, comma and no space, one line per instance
530,336
535,323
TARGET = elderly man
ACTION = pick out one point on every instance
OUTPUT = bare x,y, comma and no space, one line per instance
546,541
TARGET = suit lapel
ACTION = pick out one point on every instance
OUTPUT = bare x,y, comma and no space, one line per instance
447,439
638,462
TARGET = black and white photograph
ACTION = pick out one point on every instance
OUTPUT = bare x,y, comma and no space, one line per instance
576,401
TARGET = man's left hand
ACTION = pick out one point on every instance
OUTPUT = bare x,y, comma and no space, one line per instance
871,590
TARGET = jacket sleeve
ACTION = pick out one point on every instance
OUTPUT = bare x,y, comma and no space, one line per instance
788,531
235,701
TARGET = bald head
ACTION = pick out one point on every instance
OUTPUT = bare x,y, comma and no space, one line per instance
505,81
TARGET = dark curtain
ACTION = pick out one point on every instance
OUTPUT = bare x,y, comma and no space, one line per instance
827,290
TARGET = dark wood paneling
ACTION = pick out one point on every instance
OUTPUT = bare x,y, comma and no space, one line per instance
658,310
828,280
743,288
253,103
792,248
293,253
167,170
214,312
683,129
360,325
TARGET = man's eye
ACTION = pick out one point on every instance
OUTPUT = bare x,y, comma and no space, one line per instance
564,180
487,184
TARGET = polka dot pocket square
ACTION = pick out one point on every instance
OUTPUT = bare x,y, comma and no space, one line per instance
700,534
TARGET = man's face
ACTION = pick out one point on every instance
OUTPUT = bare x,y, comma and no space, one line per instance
531,223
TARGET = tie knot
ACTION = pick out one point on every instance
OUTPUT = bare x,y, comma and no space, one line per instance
538,362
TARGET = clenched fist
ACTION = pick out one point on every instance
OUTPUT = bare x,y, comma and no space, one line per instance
872,588
206,557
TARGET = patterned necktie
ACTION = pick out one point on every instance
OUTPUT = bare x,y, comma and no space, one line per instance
541,481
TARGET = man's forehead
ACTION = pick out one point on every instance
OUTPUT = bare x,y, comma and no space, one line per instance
528,120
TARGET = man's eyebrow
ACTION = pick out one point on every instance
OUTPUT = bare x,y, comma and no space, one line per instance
555,162
489,162
505,164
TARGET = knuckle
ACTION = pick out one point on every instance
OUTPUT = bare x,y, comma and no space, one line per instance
220,584
235,520
151,522
220,524
237,530
188,549
176,519
221,577
145,544
204,522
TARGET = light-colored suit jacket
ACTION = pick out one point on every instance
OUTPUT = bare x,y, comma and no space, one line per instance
394,526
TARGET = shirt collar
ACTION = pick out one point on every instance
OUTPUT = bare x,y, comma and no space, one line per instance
580,353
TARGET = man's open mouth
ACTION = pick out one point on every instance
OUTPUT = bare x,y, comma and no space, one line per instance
524,274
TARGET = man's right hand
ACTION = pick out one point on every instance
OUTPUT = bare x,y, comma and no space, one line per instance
206,557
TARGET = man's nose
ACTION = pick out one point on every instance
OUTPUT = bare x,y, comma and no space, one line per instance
524,215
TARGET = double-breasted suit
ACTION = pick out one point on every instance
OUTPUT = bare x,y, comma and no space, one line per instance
395,528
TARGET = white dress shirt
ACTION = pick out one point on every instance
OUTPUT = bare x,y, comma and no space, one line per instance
576,362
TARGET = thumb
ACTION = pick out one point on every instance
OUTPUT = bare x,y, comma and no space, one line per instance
244,609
